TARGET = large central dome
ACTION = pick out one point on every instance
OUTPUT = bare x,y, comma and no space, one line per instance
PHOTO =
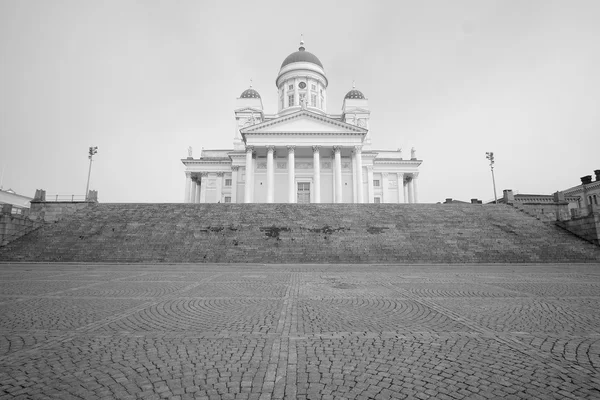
301,56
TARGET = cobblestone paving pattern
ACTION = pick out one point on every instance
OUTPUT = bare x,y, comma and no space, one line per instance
88,331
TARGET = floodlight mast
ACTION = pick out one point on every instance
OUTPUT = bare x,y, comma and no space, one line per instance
91,152
490,156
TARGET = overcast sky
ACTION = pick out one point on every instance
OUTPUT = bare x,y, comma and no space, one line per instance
143,80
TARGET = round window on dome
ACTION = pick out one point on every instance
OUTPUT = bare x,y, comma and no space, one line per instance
302,85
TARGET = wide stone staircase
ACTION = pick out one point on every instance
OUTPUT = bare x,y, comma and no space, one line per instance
290,233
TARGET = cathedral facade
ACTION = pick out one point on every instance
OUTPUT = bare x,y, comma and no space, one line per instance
301,154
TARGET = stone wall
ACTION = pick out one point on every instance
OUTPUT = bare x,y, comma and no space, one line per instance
548,212
13,226
586,227
55,211
294,233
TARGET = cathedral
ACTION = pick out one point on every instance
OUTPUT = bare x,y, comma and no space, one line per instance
301,154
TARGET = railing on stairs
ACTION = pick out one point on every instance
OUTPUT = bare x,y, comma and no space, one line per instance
65,197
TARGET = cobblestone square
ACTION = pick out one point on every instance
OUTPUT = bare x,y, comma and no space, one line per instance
184,331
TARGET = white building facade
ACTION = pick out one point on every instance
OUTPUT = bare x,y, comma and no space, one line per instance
302,154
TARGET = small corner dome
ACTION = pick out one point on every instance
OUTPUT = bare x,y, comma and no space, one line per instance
301,56
354,94
250,94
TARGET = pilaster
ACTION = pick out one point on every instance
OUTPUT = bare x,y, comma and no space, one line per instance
203,184
384,188
219,187
371,198
234,180
249,173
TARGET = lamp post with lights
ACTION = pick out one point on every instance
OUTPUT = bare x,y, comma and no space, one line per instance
91,152
490,156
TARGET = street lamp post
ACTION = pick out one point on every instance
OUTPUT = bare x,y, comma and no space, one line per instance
92,151
490,156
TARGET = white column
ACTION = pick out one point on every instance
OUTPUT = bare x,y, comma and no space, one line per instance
354,187
219,187
371,198
333,178
338,173
198,186
291,174
193,191
410,190
415,193
317,173
203,184
249,173
234,179
188,187
270,175
296,94
384,187
254,168
400,177
359,177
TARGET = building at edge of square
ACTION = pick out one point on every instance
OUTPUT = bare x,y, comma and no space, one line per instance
301,154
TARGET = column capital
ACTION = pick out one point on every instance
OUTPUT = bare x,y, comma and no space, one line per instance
385,174
316,149
249,149
369,168
358,149
270,149
415,175
204,174
235,167
337,149
291,149
220,173
188,174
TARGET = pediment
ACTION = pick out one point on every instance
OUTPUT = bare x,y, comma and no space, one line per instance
248,110
357,110
304,122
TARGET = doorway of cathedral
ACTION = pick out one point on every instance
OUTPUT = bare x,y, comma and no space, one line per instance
303,193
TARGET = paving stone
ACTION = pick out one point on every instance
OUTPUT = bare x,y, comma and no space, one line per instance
300,331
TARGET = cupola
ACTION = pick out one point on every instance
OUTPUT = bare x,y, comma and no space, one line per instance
302,83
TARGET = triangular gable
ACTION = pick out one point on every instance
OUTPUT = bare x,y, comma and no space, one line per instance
357,110
303,122
248,109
